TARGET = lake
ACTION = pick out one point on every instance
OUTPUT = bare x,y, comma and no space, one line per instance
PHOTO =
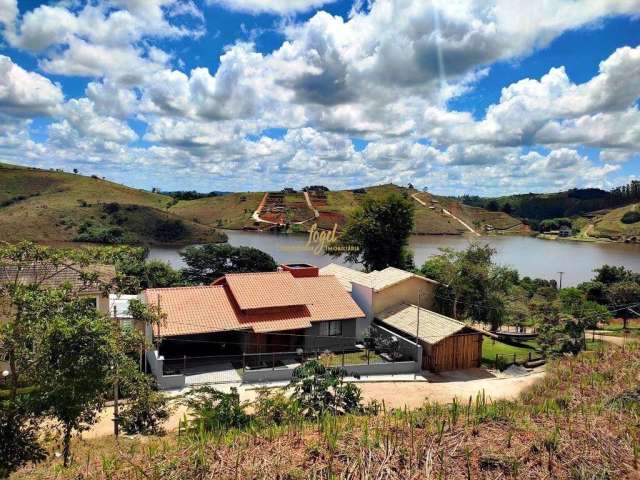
529,255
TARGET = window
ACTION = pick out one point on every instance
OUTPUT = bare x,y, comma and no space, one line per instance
331,329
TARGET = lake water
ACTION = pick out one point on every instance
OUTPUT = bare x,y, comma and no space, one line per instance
529,255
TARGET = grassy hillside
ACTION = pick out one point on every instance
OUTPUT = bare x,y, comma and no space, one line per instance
234,211
579,422
53,207
609,224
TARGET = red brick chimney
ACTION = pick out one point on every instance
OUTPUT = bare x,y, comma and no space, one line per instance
300,270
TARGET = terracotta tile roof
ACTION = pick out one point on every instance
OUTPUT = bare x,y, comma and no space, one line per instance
58,275
265,290
208,309
328,299
433,326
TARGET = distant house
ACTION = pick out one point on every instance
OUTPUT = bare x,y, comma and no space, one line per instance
51,276
379,290
75,276
294,308
564,231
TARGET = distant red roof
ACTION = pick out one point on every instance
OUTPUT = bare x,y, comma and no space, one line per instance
272,302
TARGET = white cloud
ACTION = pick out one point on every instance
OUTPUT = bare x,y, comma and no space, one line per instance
281,7
26,94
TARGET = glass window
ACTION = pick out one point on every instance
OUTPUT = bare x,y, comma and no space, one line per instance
331,329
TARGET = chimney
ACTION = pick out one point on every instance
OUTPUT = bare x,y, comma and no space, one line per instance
300,270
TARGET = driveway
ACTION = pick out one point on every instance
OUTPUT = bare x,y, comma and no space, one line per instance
446,386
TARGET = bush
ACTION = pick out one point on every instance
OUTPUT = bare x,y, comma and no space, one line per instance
169,230
110,208
87,232
273,407
631,217
214,410
146,411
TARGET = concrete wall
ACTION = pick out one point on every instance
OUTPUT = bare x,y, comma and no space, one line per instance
165,382
405,292
284,374
330,343
408,348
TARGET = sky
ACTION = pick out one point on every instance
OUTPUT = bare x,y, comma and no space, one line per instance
482,97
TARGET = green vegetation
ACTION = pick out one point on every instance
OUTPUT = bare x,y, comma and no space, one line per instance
577,422
206,263
492,349
379,228
630,217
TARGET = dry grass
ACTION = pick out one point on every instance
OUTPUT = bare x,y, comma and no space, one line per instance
610,225
580,422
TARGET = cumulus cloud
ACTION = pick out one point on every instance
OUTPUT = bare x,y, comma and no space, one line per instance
280,7
26,94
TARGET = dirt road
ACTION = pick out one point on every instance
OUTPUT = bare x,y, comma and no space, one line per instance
444,388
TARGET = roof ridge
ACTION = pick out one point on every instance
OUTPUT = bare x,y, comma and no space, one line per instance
256,273
184,287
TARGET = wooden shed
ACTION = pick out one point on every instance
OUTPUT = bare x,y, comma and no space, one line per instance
447,344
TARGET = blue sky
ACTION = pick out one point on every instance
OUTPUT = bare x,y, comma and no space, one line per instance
462,97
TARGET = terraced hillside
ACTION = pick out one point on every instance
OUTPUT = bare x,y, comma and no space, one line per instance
56,207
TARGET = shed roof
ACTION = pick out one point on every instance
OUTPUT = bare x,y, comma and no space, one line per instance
433,328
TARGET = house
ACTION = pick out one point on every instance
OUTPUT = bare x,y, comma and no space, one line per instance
447,344
378,290
75,276
293,308
402,303
51,276
564,231
119,310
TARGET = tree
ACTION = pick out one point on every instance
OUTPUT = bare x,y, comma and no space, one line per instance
380,229
574,302
214,410
609,274
493,206
75,367
507,208
319,389
147,409
18,438
623,294
561,333
207,263
471,286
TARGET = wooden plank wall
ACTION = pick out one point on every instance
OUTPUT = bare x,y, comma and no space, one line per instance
454,353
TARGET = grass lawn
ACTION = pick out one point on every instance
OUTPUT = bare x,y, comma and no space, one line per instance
491,348
354,358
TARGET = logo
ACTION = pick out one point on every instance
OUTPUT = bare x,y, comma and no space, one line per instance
320,242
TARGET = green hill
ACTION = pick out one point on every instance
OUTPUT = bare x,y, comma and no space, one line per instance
610,224
57,207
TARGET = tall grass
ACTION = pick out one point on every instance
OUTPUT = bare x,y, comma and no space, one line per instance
582,421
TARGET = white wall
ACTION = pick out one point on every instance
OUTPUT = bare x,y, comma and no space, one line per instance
363,296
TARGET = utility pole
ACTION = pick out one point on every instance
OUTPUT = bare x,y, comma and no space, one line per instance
418,360
561,273
116,412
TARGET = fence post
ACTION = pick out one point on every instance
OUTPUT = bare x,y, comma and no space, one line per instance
343,358
496,366
244,362
529,356
273,360
514,358
184,362
368,361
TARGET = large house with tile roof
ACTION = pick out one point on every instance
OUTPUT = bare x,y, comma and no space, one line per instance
281,311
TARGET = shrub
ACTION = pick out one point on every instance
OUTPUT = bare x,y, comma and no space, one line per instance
273,407
214,410
146,411
631,217
319,390
87,232
169,230
110,208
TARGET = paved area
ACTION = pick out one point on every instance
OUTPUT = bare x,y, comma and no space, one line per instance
223,373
